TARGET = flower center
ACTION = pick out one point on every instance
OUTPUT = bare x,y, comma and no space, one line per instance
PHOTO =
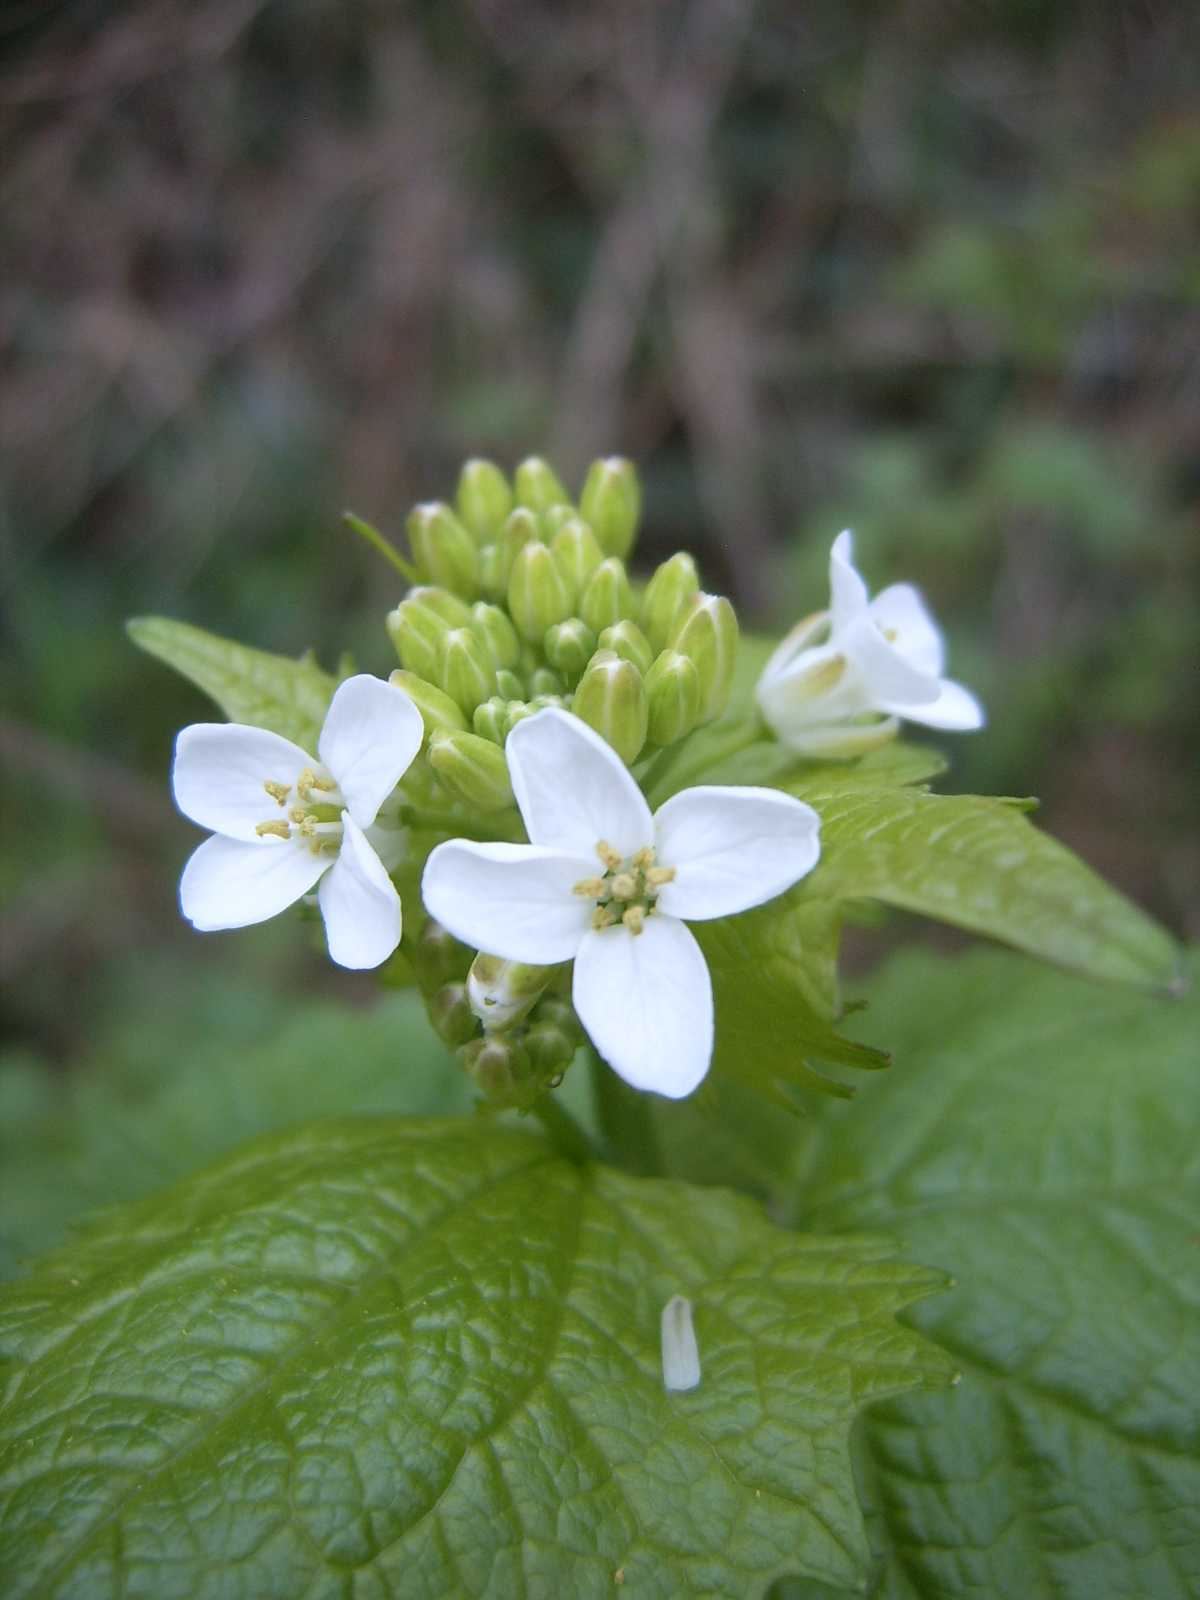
627,889
311,812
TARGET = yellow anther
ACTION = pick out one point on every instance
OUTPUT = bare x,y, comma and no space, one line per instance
603,917
657,876
634,918
308,827
624,886
644,858
610,857
589,888
297,813
325,785
274,830
278,791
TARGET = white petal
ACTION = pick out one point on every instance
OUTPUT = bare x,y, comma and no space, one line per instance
793,644
732,849
900,610
511,900
573,789
819,686
646,1002
371,734
848,597
228,883
890,679
359,903
219,772
955,709
680,1353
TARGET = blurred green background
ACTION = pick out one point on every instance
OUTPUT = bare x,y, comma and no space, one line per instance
928,270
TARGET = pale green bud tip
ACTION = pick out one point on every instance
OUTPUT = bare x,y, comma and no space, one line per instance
577,552
501,993
607,597
444,551
611,503
708,633
484,498
439,957
455,613
490,720
538,485
611,698
465,669
416,631
509,686
545,683
501,1070
495,628
473,769
672,588
626,639
451,1014
673,693
569,646
438,711
551,1050
538,594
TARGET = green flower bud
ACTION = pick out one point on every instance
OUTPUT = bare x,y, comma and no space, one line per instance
508,685
568,646
417,633
560,1014
542,702
491,720
611,698
438,712
443,549
671,589
451,1015
491,571
673,692
552,519
520,528
543,682
501,1070
465,669
473,769
577,552
607,597
708,633
538,595
551,1051
455,613
627,640
518,710
484,498
438,957
538,485
611,501
502,993
496,630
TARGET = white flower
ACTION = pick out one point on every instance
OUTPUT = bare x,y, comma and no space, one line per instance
282,820
606,884
861,657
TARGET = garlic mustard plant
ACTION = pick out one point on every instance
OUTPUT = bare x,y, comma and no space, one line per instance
844,678
284,822
609,886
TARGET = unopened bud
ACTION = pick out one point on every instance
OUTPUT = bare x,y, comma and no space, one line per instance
673,693
490,720
841,740
451,1015
672,588
438,712
465,669
497,632
491,572
611,502
607,597
484,498
545,681
501,992
627,640
538,485
611,698
551,1051
500,1069
569,646
546,702
538,595
552,520
508,685
708,633
444,551
417,633
473,769
455,613
560,1013
496,560
439,957
577,552
517,711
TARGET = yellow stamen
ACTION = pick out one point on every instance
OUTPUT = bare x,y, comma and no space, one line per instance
278,791
634,918
308,827
276,830
603,917
610,857
643,859
624,886
297,813
657,876
589,888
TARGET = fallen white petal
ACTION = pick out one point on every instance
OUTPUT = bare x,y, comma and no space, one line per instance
572,788
359,903
645,1001
372,733
510,900
899,609
732,848
680,1353
228,883
219,772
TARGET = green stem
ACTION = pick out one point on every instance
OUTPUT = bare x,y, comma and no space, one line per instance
377,542
453,822
746,734
626,1120
565,1133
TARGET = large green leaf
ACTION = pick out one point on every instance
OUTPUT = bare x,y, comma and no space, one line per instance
277,692
423,1359
1038,1140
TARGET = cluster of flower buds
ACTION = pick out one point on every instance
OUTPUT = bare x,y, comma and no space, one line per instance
527,603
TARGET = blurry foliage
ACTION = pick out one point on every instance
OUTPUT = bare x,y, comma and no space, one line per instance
933,272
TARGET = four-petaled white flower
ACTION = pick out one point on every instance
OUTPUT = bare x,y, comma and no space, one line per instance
282,821
862,656
606,884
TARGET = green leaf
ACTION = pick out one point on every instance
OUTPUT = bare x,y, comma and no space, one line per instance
269,691
1038,1141
423,1358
